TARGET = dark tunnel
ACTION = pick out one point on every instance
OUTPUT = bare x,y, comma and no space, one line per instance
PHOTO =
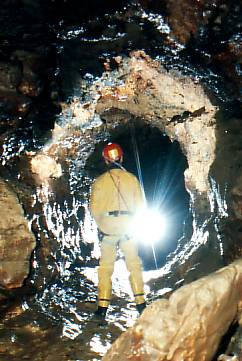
162,166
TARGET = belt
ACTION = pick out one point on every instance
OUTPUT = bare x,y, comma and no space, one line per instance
118,213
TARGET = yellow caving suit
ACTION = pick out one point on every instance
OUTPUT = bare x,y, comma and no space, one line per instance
117,190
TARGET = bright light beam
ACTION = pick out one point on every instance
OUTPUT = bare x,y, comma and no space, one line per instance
137,160
148,226
136,218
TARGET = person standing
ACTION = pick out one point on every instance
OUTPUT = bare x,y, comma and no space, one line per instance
115,196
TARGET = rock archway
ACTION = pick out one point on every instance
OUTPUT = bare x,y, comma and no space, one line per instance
180,107
177,105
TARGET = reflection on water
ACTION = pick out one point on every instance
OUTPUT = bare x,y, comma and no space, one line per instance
97,345
71,330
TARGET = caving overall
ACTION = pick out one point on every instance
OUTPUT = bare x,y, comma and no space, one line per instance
115,196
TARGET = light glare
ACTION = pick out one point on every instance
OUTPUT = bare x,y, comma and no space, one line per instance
148,226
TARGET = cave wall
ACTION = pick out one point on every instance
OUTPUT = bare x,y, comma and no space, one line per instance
178,106
161,97
16,240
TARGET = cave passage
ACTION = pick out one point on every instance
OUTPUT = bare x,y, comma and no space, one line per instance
162,166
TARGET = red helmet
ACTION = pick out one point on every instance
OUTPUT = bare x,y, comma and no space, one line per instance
112,152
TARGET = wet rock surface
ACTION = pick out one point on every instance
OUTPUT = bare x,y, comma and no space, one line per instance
71,79
149,91
16,240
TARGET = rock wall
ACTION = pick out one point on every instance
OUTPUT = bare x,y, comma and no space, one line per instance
16,240
150,92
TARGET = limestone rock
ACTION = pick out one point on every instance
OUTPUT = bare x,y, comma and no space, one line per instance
150,92
16,240
45,167
188,326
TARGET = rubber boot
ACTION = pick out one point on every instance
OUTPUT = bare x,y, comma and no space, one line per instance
101,312
140,307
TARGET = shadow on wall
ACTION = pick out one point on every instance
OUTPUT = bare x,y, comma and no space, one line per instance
162,165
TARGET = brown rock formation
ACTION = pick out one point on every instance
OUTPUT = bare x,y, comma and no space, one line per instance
189,325
45,167
150,92
16,240
185,18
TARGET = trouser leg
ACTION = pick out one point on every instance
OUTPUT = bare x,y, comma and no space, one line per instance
105,270
134,266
